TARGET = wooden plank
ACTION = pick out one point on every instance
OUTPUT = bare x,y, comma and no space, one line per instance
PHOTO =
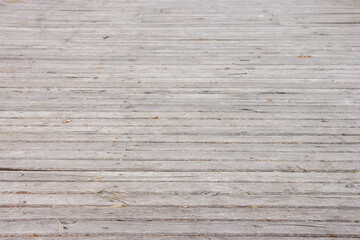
103,137
179,214
179,155
245,114
216,228
181,166
218,188
141,176
92,198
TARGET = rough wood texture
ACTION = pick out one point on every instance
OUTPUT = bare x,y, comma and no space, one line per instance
179,119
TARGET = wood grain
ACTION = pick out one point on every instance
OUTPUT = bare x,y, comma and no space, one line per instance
175,119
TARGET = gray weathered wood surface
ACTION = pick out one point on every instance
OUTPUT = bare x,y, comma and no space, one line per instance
179,119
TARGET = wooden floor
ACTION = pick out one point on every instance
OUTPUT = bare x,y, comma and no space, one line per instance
179,119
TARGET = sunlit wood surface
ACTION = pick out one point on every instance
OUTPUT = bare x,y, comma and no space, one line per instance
179,119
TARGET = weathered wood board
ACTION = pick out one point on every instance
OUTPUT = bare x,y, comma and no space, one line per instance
169,119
